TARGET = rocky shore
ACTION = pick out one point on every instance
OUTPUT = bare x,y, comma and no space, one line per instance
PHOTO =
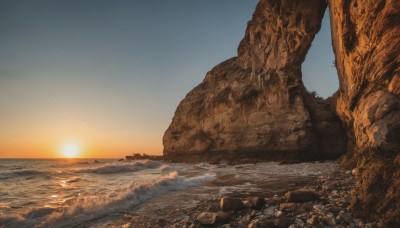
322,202
325,204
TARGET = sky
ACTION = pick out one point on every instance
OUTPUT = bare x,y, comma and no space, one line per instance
106,76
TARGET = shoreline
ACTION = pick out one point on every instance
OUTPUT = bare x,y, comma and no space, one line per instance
270,207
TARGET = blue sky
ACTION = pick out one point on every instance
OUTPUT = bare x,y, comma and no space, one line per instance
110,74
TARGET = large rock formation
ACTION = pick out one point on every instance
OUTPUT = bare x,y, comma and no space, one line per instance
366,40
255,105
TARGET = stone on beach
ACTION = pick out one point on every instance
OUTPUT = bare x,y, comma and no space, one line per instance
213,218
256,203
231,204
301,196
282,222
287,206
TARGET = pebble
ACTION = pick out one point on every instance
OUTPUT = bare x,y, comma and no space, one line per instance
282,222
277,213
329,219
312,220
319,208
269,210
299,222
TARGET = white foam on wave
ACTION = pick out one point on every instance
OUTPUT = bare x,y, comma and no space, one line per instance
123,167
73,180
165,168
204,165
85,209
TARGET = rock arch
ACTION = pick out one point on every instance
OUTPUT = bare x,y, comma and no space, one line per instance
255,105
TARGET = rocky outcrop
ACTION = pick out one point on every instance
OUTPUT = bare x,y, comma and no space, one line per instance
366,41
366,38
255,105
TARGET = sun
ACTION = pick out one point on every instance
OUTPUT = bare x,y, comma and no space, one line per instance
70,150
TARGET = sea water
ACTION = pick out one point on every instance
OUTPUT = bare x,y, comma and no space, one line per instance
94,192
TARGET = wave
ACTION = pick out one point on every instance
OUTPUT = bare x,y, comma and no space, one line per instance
24,173
73,180
123,167
79,163
85,209
27,220
204,165
165,168
13,221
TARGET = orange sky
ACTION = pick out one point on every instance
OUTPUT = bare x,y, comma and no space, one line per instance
52,148
45,140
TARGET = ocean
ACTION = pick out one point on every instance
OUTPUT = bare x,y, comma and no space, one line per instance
107,192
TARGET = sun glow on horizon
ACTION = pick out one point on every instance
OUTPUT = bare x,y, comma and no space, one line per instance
70,150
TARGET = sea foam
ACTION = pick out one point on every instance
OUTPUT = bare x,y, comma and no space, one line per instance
123,167
85,209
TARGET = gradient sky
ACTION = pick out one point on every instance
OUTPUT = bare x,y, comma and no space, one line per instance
108,75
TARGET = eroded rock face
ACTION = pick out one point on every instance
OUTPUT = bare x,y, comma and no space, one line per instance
255,105
366,40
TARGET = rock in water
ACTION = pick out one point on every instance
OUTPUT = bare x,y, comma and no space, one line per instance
366,41
255,105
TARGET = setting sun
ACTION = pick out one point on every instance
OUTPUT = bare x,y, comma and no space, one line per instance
70,150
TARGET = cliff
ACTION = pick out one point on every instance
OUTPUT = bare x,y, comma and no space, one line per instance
366,41
255,105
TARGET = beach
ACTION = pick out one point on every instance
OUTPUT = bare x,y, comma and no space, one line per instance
145,193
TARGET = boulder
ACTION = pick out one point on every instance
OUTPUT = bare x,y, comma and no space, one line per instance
212,218
231,204
301,196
